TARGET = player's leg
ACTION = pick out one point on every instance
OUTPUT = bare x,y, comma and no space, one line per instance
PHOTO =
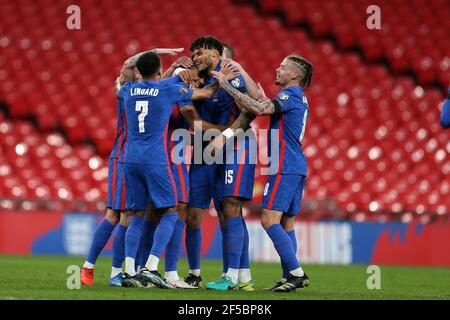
148,231
119,204
163,195
118,255
104,229
101,237
134,175
238,176
173,249
287,222
201,177
274,204
235,238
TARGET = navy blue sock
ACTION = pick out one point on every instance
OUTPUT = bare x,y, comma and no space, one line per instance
163,233
245,259
224,249
235,235
133,236
291,235
118,254
283,245
174,246
145,245
101,237
193,246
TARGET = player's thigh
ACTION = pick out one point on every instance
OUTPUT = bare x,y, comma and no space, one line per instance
119,202
298,184
112,179
201,180
278,192
138,191
181,178
239,177
161,186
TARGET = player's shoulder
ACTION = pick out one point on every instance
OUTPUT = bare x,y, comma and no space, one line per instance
292,94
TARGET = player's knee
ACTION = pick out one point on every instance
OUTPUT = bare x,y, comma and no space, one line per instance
267,221
222,220
231,207
193,218
125,219
182,208
287,222
112,216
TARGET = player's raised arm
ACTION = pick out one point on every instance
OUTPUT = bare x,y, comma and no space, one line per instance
247,103
445,113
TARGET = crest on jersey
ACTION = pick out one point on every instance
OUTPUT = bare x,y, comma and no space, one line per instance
284,96
183,90
236,82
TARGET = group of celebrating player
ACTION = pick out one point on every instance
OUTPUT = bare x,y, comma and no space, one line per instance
152,196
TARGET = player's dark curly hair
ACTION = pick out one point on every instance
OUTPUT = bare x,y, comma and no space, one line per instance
306,66
207,42
148,64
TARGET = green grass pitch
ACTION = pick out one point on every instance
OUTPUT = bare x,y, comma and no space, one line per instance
45,277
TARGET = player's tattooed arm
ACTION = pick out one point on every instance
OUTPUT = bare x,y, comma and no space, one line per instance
248,104
192,117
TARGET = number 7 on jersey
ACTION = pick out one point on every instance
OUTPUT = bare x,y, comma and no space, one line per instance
142,107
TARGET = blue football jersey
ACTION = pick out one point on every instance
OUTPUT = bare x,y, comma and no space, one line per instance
121,137
148,106
290,120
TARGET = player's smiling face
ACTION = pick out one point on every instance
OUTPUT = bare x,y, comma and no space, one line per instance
203,59
284,74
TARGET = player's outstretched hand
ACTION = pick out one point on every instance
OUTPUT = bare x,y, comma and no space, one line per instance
168,51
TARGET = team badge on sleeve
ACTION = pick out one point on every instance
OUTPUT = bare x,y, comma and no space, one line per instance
183,90
236,82
284,96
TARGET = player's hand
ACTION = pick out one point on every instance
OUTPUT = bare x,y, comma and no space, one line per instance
262,94
215,145
232,63
186,77
221,78
229,70
184,62
168,51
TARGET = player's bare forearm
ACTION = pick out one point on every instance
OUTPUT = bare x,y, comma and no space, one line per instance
206,92
250,105
243,121
250,85
194,121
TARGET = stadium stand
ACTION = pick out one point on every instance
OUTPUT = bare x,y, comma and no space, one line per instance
375,148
